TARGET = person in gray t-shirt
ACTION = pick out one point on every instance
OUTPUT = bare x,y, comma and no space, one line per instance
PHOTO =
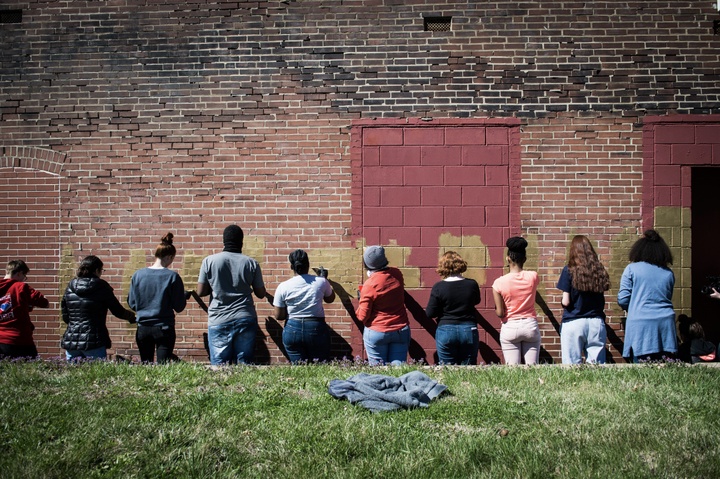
231,278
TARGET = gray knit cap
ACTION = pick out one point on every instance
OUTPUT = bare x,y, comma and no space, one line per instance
374,258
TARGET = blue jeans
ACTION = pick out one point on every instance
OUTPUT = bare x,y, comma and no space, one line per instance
387,348
232,341
96,353
306,340
583,336
457,343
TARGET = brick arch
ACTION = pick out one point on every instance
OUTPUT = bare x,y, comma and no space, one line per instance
32,157
30,219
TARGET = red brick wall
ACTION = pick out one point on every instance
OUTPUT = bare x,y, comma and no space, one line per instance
172,116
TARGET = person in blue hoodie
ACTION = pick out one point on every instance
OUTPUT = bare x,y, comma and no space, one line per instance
646,289
156,294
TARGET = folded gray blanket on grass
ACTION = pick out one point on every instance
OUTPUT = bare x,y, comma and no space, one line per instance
386,393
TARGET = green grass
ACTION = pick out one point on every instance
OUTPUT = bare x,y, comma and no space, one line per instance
186,420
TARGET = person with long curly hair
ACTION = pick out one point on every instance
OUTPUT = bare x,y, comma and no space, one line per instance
452,301
583,283
156,294
514,295
646,289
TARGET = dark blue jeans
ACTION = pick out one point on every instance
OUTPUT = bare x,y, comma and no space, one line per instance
457,343
306,340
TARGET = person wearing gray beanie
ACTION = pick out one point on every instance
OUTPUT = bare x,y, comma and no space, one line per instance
232,278
374,258
381,308
514,295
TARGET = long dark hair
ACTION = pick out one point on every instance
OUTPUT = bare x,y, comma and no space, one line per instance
588,273
651,248
89,266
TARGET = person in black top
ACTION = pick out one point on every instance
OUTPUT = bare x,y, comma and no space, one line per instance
452,302
84,306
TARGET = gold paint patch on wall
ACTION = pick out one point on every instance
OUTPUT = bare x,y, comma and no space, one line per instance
472,249
66,272
674,223
620,245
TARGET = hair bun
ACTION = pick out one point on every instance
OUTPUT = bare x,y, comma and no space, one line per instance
516,243
167,239
652,235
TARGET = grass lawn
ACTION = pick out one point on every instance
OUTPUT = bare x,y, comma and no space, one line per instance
182,420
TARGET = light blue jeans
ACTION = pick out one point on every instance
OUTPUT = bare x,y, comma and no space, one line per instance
96,353
583,336
387,348
232,341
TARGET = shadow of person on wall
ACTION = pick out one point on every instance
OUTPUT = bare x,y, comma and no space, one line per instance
339,347
415,350
615,342
275,329
487,354
545,356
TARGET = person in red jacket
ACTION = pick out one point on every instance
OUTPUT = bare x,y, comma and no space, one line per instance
382,310
17,299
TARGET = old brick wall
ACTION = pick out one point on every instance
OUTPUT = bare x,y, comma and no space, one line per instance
187,116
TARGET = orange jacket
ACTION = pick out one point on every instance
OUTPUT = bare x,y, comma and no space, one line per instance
382,301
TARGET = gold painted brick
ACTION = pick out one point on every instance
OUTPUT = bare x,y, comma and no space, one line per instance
412,277
478,274
448,240
396,255
474,256
668,216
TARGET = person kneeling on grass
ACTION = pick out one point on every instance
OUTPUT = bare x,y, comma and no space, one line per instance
583,282
156,294
306,336
452,302
84,309
17,299
514,295
382,310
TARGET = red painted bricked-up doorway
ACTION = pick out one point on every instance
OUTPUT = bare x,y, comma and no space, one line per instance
423,188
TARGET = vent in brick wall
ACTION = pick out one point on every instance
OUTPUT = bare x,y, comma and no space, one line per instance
437,24
10,16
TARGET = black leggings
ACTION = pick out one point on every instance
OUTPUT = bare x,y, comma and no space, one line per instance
150,338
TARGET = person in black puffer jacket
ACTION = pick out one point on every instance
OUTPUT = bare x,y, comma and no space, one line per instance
84,309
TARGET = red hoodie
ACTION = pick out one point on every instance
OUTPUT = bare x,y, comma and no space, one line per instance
16,301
